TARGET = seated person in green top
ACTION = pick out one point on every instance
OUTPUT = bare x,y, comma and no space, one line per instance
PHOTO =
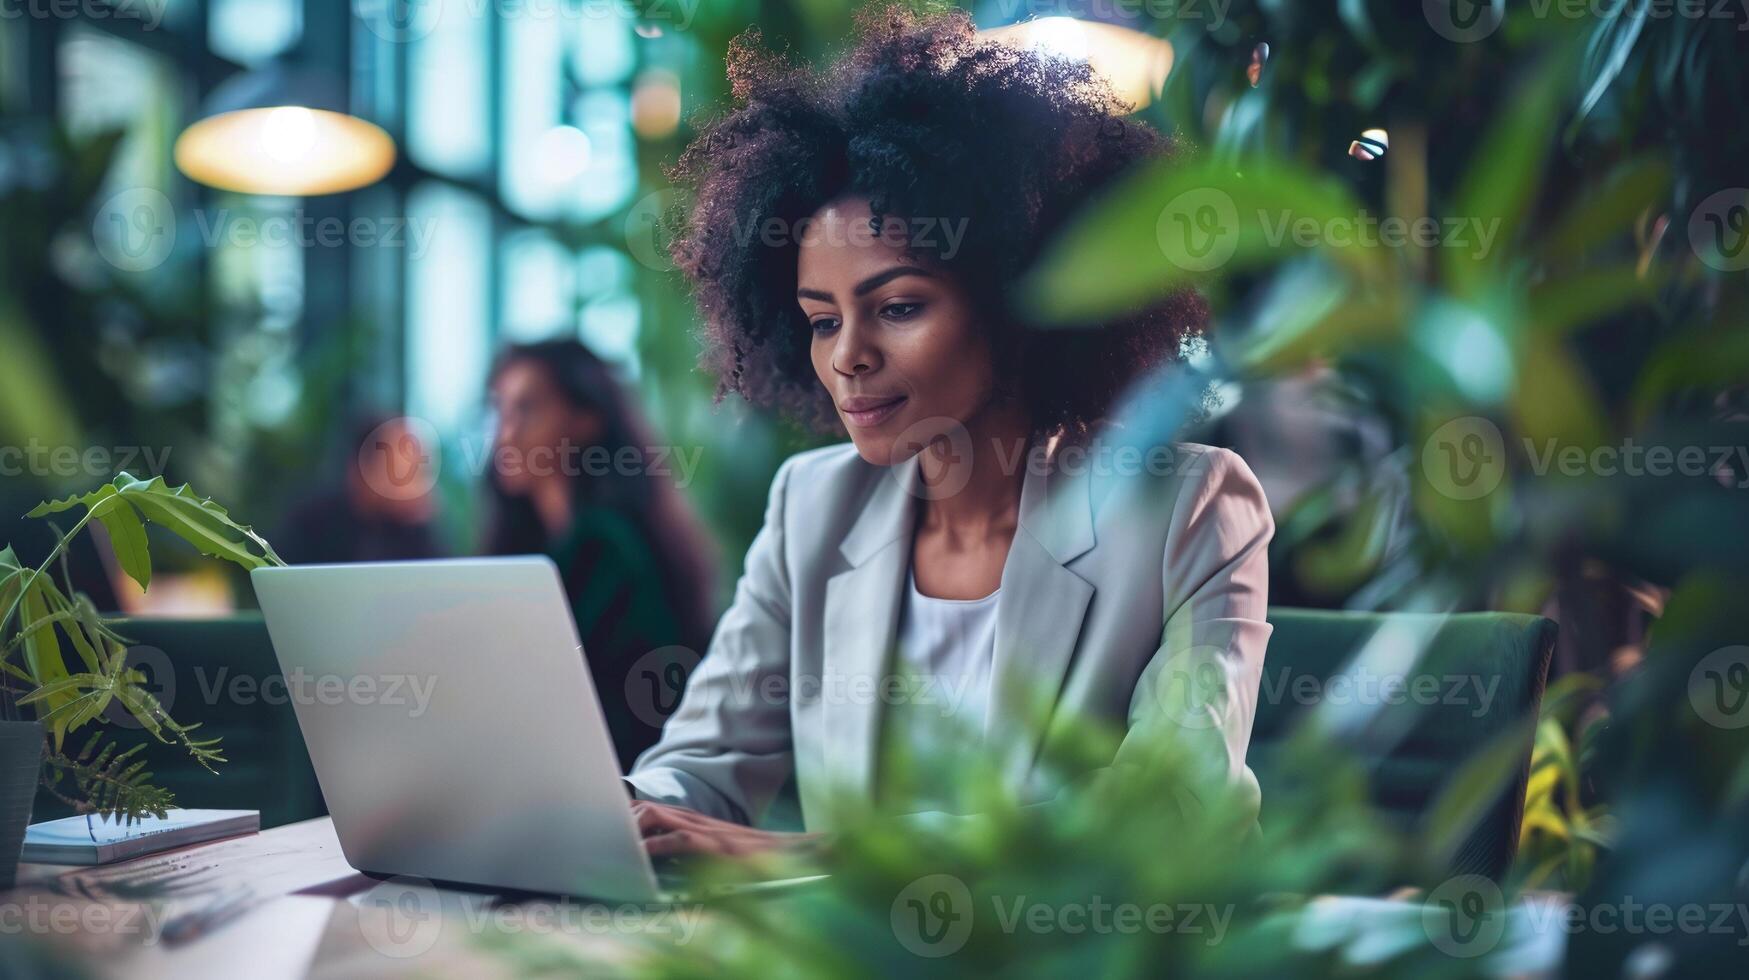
575,474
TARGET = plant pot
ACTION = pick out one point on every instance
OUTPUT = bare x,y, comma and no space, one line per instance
21,754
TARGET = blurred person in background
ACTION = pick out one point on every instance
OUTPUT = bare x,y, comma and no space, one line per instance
383,509
577,475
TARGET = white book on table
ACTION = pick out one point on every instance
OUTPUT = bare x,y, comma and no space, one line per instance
96,840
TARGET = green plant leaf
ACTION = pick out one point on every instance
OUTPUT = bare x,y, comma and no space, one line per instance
32,403
1504,173
1144,239
1562,405
78,686
42,658
1607,208
127,538
91,501
195,519
72,615
1560,305
140,702
1610,48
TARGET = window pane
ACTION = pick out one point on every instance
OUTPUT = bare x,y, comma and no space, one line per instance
252,31
541,159
610,317
447,89
539,277
609,326
611,176
448,333
605,51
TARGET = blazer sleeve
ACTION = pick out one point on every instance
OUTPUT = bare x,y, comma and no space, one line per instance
726,751
1197,697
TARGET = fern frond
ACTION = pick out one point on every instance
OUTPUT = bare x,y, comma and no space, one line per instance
105,781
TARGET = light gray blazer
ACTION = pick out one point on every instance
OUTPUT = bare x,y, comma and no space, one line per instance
1115,587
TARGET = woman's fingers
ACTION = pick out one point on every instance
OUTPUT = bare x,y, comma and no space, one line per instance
680,842
654,818
670,830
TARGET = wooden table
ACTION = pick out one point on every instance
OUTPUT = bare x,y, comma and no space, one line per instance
284,903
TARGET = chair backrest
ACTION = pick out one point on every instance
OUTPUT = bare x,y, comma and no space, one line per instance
222,674
1431,691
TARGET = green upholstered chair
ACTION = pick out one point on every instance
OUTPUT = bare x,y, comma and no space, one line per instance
219,670
1481,673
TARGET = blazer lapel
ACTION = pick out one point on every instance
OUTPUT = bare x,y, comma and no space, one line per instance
1039,616
1038,621
861,623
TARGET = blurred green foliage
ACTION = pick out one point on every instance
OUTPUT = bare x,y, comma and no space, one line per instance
1590,149
1586,147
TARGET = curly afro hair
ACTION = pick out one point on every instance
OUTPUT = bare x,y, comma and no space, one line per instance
924,118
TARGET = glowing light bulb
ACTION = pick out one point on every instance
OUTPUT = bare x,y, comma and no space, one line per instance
1063,36
1135,64
288,133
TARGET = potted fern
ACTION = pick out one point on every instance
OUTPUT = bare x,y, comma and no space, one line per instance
62,665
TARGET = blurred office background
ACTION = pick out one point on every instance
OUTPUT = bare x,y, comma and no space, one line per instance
239,341
238,338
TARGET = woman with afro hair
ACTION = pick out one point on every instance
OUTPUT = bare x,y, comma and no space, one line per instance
972,571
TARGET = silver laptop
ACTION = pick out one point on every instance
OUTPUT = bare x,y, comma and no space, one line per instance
453,724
